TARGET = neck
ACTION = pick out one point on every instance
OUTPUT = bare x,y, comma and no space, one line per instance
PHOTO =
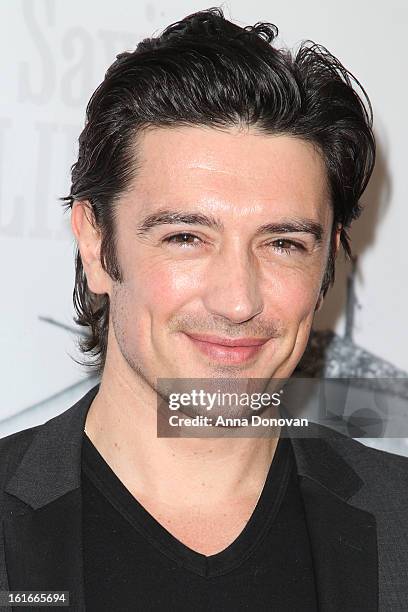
121,423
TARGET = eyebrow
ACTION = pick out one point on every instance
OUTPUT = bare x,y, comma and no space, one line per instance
171,217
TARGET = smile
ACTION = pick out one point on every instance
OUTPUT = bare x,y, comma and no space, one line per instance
226,350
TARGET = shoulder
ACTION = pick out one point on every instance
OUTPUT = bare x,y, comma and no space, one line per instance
371,464
362,454
381,470
56,437
12,449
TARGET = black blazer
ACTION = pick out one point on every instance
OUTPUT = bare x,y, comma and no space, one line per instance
355,498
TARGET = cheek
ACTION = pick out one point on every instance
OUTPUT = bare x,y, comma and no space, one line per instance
160,286
294,295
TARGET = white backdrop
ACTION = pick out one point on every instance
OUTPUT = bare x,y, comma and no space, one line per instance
53,55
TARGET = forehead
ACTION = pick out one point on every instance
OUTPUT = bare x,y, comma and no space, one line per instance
232,170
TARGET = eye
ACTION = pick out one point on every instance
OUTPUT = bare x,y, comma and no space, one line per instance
284,245
184,239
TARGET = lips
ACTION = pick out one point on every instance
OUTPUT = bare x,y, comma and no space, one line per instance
237,342
227,350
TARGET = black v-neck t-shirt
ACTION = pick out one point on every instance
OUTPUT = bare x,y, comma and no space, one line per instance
132,563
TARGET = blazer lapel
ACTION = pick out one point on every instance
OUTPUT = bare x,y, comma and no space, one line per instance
343,537
43,524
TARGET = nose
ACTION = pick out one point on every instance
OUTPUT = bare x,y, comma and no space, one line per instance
232,287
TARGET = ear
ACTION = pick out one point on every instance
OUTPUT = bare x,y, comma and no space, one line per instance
88,238
336,239
336,244
319,302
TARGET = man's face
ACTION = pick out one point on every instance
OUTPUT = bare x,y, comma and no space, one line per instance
253,275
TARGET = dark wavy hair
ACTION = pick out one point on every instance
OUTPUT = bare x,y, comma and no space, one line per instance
206,71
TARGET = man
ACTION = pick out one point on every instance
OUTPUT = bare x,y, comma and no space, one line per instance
216,179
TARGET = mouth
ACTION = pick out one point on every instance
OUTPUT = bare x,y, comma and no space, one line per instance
226,350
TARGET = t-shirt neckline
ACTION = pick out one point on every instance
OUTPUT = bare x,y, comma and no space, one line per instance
104,478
